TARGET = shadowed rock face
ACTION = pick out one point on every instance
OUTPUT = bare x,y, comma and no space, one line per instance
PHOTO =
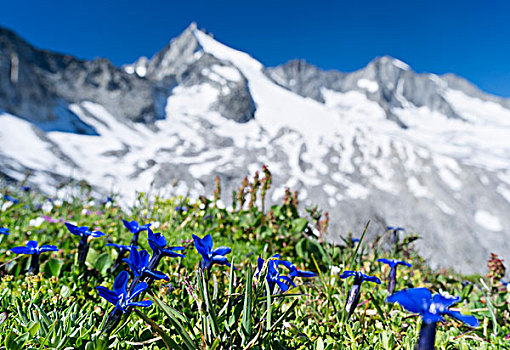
383,143
40,85
390,83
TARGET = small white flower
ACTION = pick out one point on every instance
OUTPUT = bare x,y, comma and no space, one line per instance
47,207
36,222
335,270
6,205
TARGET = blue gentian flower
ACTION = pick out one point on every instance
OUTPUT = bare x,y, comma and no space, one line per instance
139,264
183,208
123,249
392,278
431,308
135,228
395,230
260,263
394,262
294,272
84,233
354,293
210,256
360,277
119,295
4,231
273,276
11,199
158,243
33,249
26,188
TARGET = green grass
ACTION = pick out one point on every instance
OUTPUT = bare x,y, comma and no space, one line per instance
60,308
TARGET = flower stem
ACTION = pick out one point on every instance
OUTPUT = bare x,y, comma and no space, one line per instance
353,299
427,336
392,280
112,321
83,250
134,240
34,265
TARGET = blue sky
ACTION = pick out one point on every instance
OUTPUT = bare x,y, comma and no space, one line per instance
468,38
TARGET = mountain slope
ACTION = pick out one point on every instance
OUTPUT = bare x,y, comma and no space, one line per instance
383,143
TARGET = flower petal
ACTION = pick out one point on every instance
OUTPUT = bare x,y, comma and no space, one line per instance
32,244
144,258
96,234
48,248
157,275
401,262
143,303
371,279
287,264
109,295
306,274
135,258
386,261
220,259
21,250
444,302
73,229
288,280
414,300
221,251
120,284
346,274
140,287
467,319
128,225
203,245
172,254
282,285
260,265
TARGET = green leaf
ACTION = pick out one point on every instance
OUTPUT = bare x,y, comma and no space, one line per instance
299,225
269,311
53,267
16,343
34,328
177,320
169,342
246,321
103,262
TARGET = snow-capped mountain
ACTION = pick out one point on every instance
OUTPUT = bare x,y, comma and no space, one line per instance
428,152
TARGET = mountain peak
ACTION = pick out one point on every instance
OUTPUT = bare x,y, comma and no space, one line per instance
176,55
